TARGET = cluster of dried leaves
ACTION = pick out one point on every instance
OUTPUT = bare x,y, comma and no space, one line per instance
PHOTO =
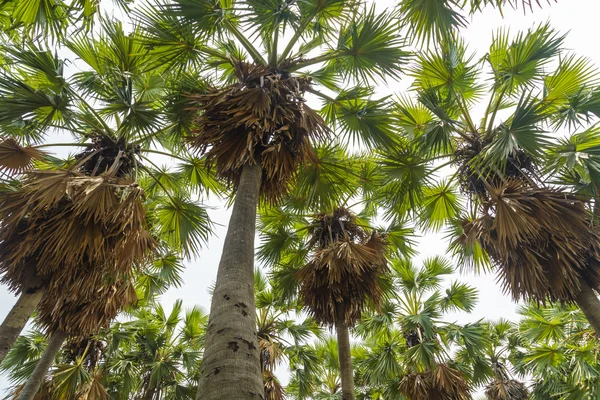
273,388
541,240
263,118
506,389
80,233
439,383
345,270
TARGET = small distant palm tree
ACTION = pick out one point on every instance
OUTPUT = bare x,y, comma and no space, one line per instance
407,348
343,276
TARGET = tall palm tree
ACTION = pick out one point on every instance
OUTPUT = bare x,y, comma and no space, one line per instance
536,233
256,129
85,217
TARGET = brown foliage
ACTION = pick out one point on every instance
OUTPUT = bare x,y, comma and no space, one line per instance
262,119
344,270
439,383
506,389
540,239
84,234
15,158
476,180
273,388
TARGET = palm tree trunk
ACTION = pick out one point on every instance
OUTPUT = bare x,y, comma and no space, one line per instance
590,305
343,339
231,366
41,369
17,318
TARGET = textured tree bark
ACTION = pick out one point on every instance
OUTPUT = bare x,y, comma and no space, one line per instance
17,318
346,370
231,366
590,305
41,369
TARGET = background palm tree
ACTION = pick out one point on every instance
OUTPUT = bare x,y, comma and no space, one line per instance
407,349
509,156
280,332
152,355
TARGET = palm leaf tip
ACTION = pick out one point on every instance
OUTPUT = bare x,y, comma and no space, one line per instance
263,118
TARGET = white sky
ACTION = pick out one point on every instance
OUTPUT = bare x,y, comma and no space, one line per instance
580,17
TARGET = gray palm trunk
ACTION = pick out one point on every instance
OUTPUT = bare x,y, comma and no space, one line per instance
41,369
344,355
589,303
231,365
17,318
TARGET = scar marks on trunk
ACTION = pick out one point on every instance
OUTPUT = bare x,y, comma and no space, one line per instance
254,395
243,307
226,297
248,343
233,346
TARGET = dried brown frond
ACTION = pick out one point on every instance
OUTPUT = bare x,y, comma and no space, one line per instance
15,158
344,270
85,303
93,390
273,388
329,228
263,119
439,383
541,240
72,219
506,389
271,353
44,393
83,236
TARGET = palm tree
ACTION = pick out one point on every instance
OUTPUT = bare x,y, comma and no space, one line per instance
407,349
153,355
256,129
86,217
541,241
342,276
559,348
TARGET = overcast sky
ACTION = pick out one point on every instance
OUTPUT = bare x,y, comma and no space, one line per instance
579,17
